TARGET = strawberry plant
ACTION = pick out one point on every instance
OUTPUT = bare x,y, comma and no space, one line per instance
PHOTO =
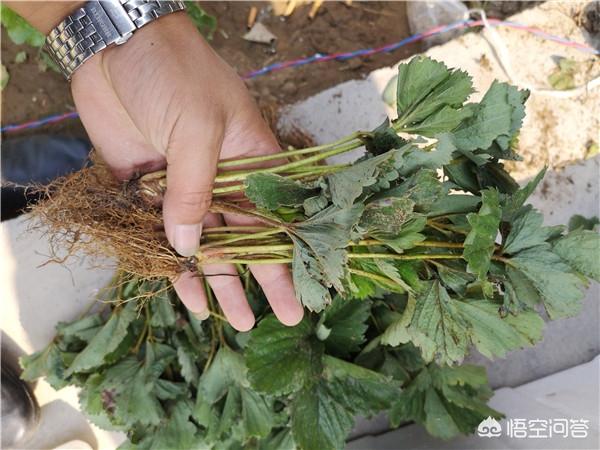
405,260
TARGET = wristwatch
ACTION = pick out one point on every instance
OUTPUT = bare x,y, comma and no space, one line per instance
98,24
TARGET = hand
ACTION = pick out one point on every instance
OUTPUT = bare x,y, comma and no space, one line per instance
165,98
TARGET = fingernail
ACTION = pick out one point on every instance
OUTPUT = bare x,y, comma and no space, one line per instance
202,315
186,239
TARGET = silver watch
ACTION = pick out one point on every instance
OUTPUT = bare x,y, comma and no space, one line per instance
98,24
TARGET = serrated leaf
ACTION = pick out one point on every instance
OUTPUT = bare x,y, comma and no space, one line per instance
423,188
397,333
308,280
448,401
454,204
320,255
492,118
436,89
346,320
82,330
48,362
526,231
175,433
271,191
348,184
494,336
581,250
415,159
387,215
186,356
282,359
560,289
227,368
408,237
163,312
480,242
318,420
512,204
105,341
442,121
257,414
454,277
437,327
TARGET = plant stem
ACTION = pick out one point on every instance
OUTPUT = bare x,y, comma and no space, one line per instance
286,154
373,276
401,257
243,174
253,236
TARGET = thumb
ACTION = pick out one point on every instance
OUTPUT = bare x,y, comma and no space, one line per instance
191,168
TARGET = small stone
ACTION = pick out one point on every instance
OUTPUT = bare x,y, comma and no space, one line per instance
289,87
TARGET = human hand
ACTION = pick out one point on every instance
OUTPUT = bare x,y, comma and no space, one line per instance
165,98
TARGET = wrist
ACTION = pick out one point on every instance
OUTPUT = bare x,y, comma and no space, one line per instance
44,15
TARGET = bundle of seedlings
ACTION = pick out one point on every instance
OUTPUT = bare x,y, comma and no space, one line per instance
405,260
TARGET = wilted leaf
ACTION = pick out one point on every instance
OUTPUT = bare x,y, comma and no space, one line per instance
271,191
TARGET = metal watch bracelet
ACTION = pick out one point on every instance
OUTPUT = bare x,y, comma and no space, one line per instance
98,24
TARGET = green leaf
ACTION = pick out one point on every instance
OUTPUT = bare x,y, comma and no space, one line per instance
426,87
383,139
437,326
448,401
397,333
387,215
526,231
48,363
480,242
308,279
512,204
347,321
580,222
5,77
581,250
205,23
271,191
105,341
227,368
187,357
318,420
408,237
442,121
282,440
19,30
453,276
163,312
282,359
454,204
494,336
520,289
82,330
176,433
323,412
423,188
320,255
415,159
360,390
348,184
560,289
492,119
256,414
21,57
